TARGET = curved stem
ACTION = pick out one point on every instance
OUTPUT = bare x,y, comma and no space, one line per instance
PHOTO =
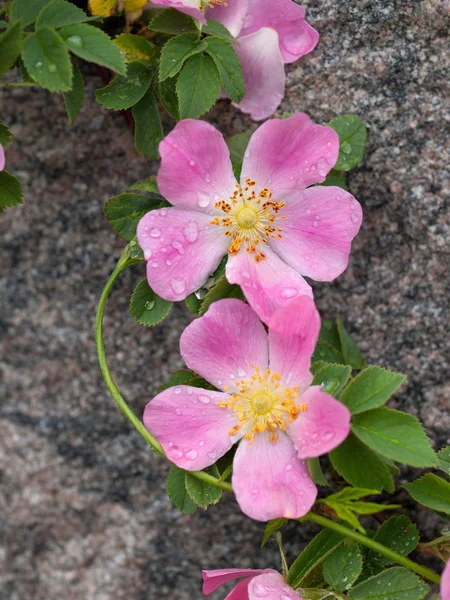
373,545
124,262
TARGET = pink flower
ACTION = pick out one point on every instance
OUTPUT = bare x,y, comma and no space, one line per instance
274,227
265,402
2,158
445,583
271,33
257,584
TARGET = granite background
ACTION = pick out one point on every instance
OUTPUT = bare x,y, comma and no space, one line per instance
84,511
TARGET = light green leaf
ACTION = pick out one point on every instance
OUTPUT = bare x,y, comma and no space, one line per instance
230,69
146,185
271,528
202,493
126,210
432,491
396,435
5,135
333,378
218,30
59,13
74,98
167,94
172,21
198,86
10,47
398,534
343,567
93,45
316,472
396,584
327,353
222,289
335,178
125,91
147,307
176,52
176,490
148,130
352,139
26,10
135,48
371,388
10,190
47,60
444,459
350,350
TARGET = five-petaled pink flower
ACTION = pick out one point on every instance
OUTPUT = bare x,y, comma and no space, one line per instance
254,584
2,158
265,402
272,225
271,33
445,583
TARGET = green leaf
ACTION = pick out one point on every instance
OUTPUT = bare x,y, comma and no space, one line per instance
371,388
327,353
176,52
26,10
59,13
313,555
396,584
93,45
10,47
183,377
218,30
315,470
74,98
329,333
135,48
148,130
193,304
176,490
237,145
126,210
47,60
360,466
396,435
343,567
198,86
432,491
147,307
271,528
167,94
125,91
5,135
10,190
352,139
443,457
202,493
333,378
335,178
398,534
230,69
134,251
172,21
146,185
350,350
222,289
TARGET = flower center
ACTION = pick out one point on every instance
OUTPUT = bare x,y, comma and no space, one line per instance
263,404
250,219
212,3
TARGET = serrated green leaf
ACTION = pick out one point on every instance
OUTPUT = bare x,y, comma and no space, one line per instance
172,21
313,555
5,135
329,333
10,47
200,492
26,10
126,210
176,490
148,130
444,459
216,29
125,91
135,48
47,60
345,505
222,289
193,304
10,190
396,584
176,52
59,13
350,350
93,45
432,491
147,307
371,389
333,378
74,98
396,435
198,86
326,353
343,567
167,94
146,185
352,140
316,472
335,178
230,69
360,466
271,528
398,534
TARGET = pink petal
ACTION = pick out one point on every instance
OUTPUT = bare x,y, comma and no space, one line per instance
182,249
323,426
286,155
2,158
270,586
222,345
264,76
445,583
195,167
232,15
190,425
189,7
296,37
240,591
270,481
293,334
214,579
269,284
317,232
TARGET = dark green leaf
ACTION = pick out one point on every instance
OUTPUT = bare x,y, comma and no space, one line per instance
398,534
343,567
396,435
47,60
172,21
350,350
237,145
147,307
167,94
444,459
135,48
329,333
432,491
198,86
126,210
396,584
315,470
5,135
271,528
59,13
125,91
148,129
74,98
333,378
230,69
93,45
218,30
335,178
10,47
202,493
182,377
222,289
193,303
176,490
327,353
26,10
176,52
10,190
371,388
352,139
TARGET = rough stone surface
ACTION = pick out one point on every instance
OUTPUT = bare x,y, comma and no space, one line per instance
84,511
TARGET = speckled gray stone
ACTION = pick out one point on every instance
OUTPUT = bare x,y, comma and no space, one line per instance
85,514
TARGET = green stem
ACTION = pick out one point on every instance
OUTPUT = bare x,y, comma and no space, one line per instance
373,545
124,262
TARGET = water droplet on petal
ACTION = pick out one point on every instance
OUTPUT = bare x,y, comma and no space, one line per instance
203,200
288,293
147,253
354,218
178,286
155,232
178,411
192,454
204,399
177,390
288,467
191,232
192,163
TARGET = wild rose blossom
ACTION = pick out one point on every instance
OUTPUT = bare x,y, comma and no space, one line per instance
274,227
2,158
271,33
266,403
254,584
445,583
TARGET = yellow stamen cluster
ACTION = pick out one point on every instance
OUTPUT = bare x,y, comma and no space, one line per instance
212,3
263,404
250,218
